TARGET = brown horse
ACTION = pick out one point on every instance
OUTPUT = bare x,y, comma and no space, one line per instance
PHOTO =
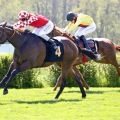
30,52
105,47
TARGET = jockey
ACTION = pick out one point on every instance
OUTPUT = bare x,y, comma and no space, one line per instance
80,25
42,26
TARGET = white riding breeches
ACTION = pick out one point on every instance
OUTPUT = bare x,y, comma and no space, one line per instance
85,30
43,31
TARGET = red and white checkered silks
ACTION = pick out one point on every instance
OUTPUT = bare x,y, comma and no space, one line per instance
22,24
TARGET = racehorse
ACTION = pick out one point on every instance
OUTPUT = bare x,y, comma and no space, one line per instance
104,46
31,51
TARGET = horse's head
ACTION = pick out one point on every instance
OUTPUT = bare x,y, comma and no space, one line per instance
3,34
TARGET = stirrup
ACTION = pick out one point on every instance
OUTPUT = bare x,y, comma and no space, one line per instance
98,57
87,49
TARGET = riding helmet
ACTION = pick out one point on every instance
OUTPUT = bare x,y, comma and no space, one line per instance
70,16
23,15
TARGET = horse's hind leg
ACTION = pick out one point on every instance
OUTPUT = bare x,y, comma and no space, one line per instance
61,88
58,83
63,84
77,79
113,60
109,54
62,79
81,77
116,66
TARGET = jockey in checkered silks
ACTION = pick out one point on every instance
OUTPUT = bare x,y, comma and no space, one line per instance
42,26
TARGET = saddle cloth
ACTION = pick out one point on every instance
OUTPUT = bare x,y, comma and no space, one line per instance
51,55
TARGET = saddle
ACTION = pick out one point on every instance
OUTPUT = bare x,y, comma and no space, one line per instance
93,44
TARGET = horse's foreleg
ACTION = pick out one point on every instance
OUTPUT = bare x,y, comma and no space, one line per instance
26,65
13,73
81,77
7,76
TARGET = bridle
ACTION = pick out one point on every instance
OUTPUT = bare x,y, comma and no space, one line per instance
12,34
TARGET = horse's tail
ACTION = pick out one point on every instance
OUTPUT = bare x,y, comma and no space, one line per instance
117,47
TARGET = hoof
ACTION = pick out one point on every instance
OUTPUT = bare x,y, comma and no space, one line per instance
83,96
87,87
5,92
54,89
56,97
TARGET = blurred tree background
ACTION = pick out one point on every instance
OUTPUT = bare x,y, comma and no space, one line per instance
106,14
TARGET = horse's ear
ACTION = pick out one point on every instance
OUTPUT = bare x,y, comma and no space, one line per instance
4,24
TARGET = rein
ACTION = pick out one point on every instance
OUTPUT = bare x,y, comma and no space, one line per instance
12,35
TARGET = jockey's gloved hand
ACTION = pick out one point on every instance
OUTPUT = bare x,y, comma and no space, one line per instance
27,31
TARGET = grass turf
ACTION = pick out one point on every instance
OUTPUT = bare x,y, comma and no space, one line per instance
39,104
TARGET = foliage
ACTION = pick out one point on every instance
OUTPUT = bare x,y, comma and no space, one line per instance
54,74
95,74
22,80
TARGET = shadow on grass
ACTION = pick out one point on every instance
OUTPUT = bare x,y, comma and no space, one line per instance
88,92
93,92
2,104
45,101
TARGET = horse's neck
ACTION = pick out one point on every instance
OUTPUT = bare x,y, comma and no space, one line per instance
17,39
56,32
59,31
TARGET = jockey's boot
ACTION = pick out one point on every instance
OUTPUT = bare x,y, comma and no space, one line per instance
85,42
96,56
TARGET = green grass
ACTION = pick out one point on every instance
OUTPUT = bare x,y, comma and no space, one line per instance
39,104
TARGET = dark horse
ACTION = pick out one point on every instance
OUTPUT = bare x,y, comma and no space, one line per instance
106,48
30,52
